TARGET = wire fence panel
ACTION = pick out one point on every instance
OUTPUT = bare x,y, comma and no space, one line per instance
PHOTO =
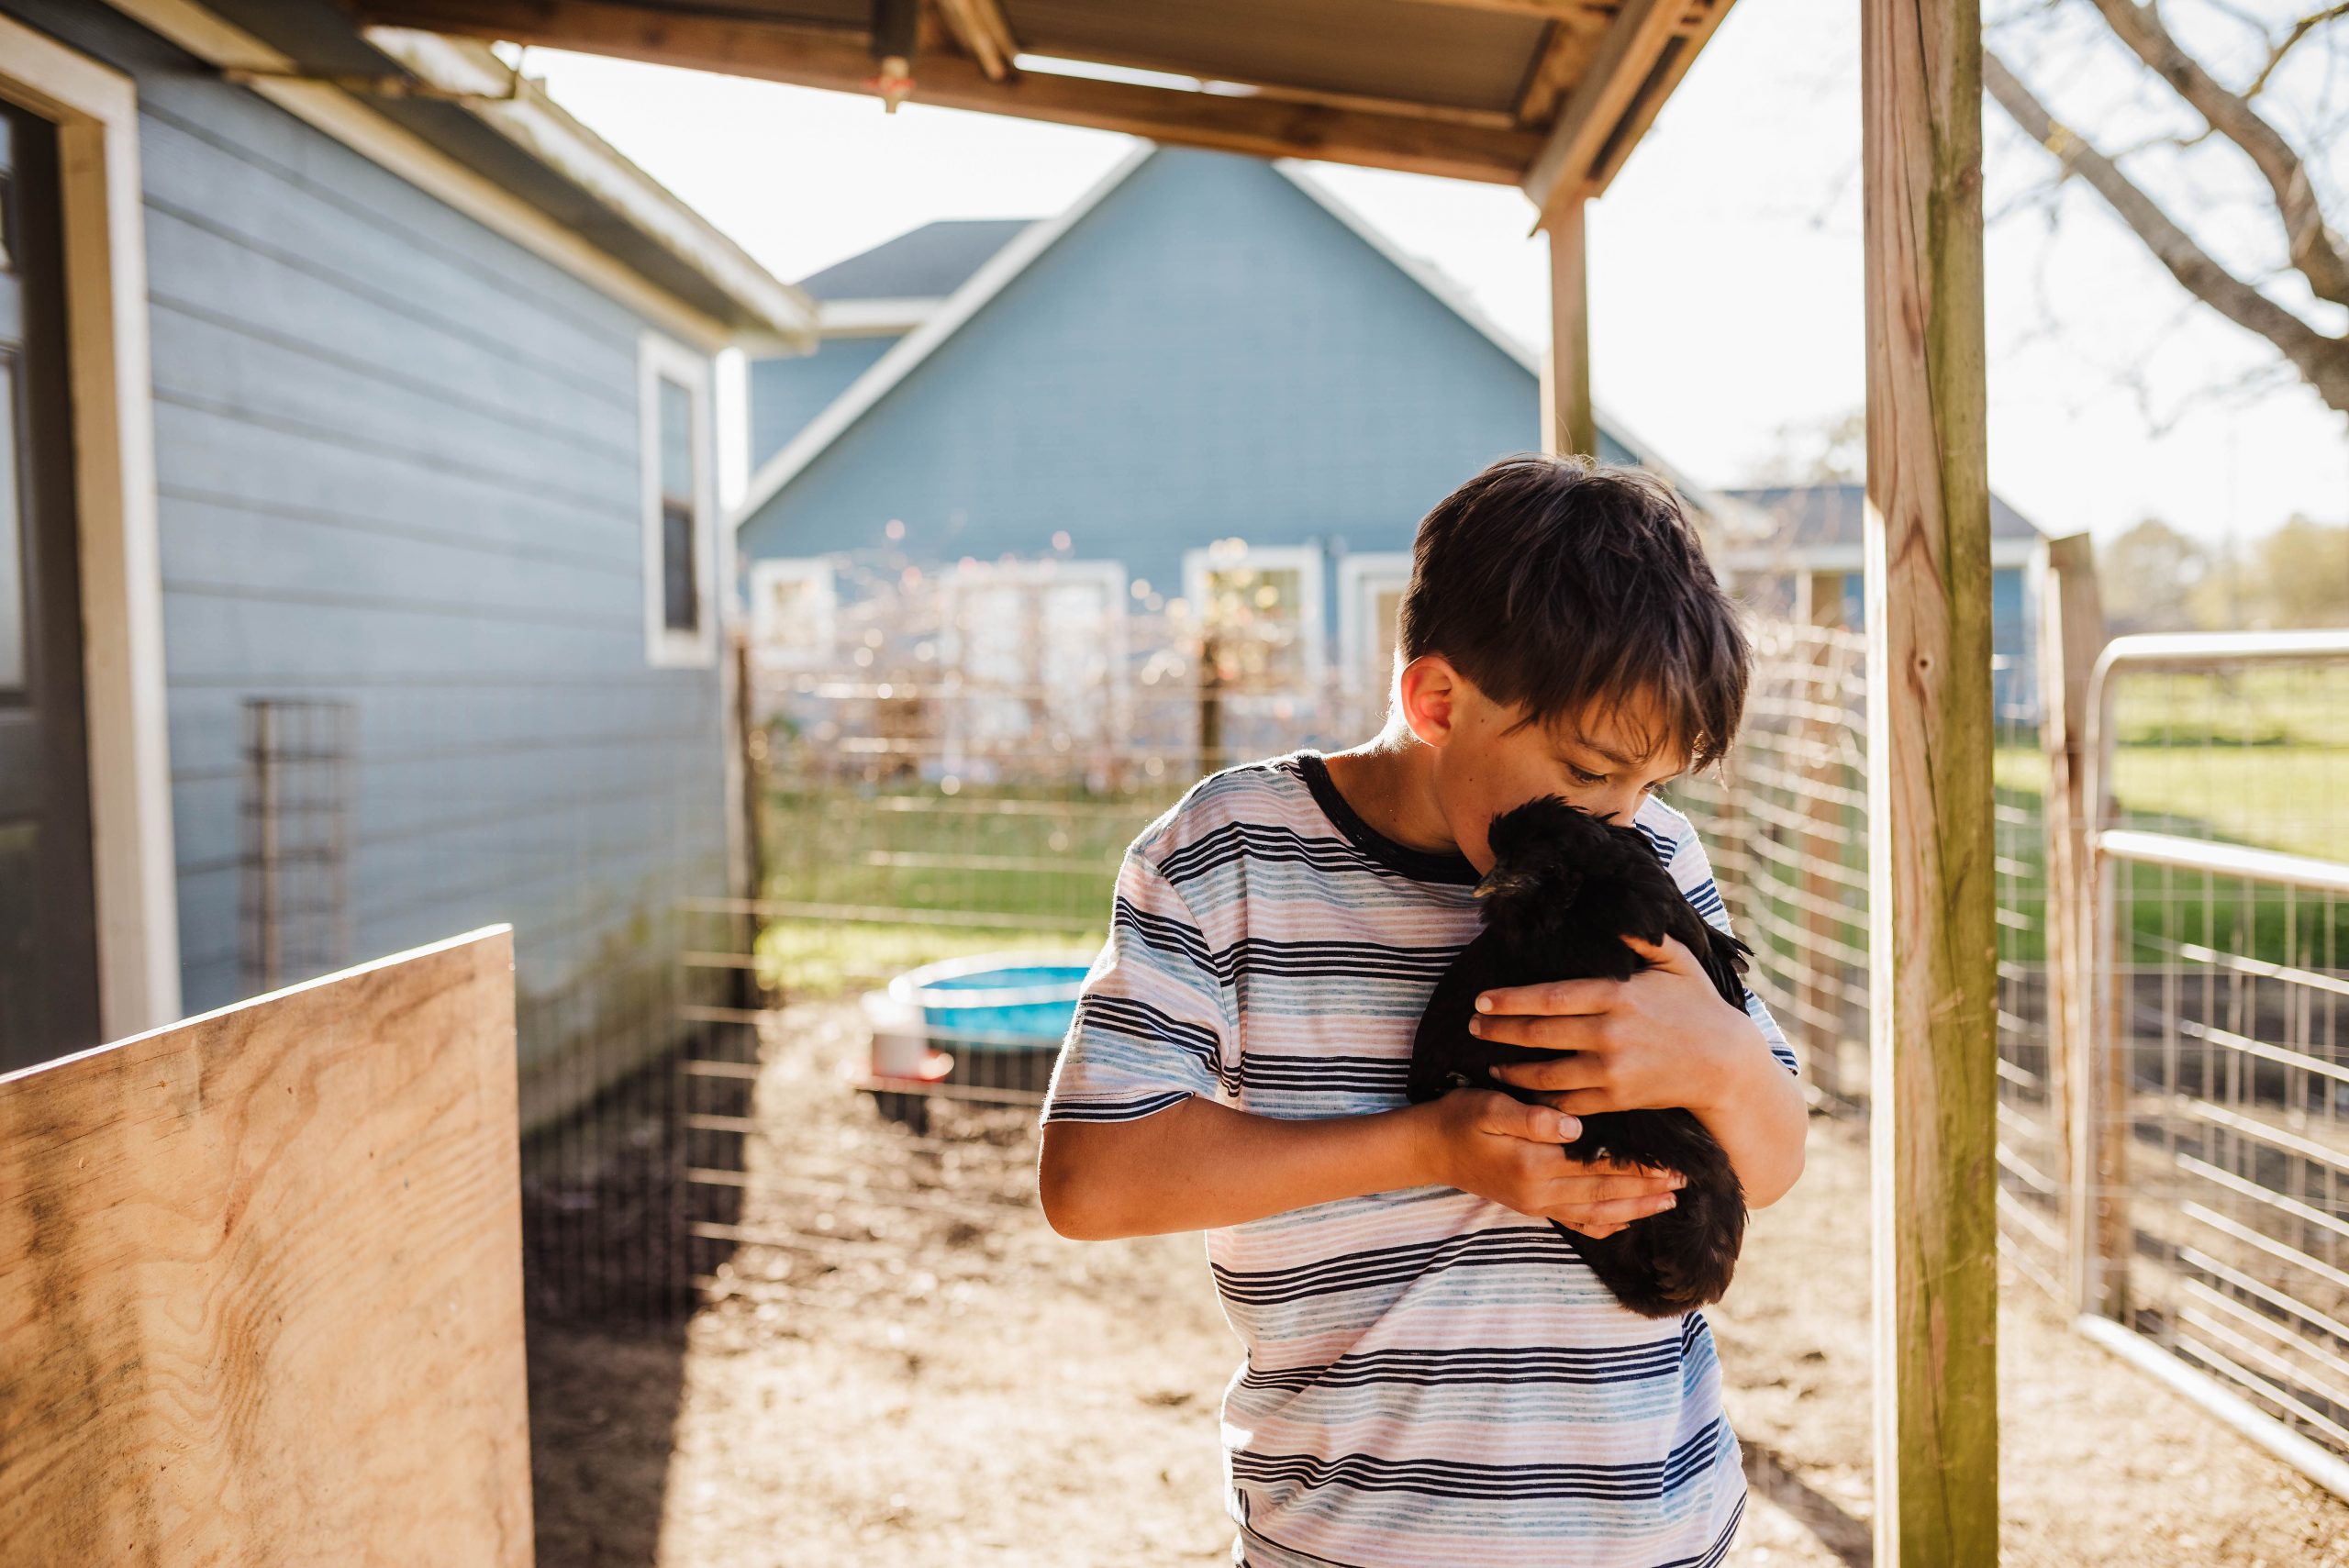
1787,820
1787,816
2223,1177
955,767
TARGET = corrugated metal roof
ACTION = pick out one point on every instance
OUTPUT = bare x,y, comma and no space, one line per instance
929,262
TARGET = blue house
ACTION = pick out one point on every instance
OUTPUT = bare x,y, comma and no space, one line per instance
1205,369
1798,552
360,566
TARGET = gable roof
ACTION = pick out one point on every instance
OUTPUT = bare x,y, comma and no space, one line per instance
929,262
1033,239
1806,517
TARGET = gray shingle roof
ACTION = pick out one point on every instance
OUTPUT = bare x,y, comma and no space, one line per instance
1810,515
929,262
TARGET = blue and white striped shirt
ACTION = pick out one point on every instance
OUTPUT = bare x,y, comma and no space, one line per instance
1431,1379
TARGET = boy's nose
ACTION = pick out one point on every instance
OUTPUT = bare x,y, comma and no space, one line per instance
1619,807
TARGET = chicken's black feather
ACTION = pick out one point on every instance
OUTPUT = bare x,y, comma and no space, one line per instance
1565,889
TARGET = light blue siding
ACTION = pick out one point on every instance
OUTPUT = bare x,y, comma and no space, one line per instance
397,466
786,393
1208,352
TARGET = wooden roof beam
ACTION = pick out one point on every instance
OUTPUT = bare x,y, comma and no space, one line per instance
984,34
1574,12
1610,89
1679,54
1262,126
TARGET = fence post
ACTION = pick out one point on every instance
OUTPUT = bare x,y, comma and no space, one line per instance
1211,702
753,765
2071,636
1825,825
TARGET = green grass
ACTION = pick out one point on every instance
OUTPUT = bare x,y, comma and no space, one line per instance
2213,795
1033,869
2291,797
1021,868
810,959
2276,705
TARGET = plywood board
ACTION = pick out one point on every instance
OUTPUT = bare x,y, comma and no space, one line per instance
260,1291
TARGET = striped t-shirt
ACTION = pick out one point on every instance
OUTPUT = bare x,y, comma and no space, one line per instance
1430,1378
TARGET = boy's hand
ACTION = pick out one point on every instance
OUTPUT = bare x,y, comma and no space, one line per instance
1484,1142
1663,1037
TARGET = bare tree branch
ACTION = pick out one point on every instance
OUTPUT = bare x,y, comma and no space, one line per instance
2323,360
2301,29
2315,249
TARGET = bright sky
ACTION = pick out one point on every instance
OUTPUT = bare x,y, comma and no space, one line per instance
1725,268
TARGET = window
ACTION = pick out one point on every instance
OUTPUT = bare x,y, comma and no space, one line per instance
792,604
680,603
1261,607
1370,595
1037,650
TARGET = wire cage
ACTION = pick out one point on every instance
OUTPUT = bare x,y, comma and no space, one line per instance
294,893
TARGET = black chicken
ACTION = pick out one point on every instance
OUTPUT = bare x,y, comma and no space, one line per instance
1565,889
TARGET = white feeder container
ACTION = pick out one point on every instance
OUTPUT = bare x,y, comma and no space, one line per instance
900,1040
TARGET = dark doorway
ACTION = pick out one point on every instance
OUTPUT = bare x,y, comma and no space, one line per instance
48,969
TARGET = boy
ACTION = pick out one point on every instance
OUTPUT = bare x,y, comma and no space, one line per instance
1433,1376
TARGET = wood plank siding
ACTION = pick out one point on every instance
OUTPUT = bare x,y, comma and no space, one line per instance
398,467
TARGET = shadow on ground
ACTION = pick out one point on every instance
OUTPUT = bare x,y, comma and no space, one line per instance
603,1408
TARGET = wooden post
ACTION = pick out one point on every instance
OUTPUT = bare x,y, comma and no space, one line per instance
1933,947
2071,636
1212,758
1568,424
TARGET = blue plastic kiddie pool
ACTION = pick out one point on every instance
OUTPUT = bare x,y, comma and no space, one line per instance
1000,1016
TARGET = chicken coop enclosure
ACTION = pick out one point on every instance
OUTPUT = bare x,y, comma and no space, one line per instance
941,805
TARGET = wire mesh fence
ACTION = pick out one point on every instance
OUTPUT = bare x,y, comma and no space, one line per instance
948,796
954,776
1786,819
609,1019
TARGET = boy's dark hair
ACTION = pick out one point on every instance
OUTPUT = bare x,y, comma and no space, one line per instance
1556,581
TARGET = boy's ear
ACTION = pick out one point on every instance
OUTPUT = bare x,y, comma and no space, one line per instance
1430,692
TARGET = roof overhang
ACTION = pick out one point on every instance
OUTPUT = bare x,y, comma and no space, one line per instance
450,116
875,317
1551,95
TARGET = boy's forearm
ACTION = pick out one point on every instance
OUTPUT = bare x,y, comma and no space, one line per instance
1199,1166
1757,1114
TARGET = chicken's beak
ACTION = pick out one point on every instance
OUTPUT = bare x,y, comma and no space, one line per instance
1498,880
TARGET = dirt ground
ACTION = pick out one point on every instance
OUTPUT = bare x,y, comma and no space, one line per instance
922,1372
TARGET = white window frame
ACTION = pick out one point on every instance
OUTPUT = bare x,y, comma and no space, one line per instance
1360,577
1117,717
660,358
765,571
1308,560
1110,575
